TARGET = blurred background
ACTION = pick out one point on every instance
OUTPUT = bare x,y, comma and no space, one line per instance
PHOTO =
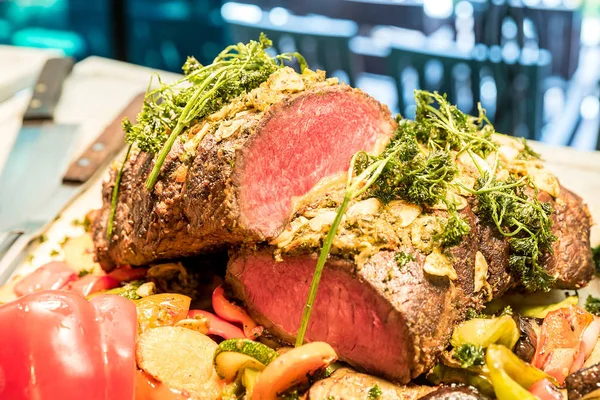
533,64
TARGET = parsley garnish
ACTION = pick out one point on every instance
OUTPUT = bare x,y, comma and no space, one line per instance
524,220
592,305
596,258
469,355
403,258
375,392
85,272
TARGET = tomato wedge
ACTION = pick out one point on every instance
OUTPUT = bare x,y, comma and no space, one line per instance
56,345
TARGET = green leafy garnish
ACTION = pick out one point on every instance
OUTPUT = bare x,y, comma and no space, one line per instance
85,272
43,238
472,313
403,258
115,195
54,252
524,220
128,291
592,305
375,392
64,240
454,229
596,258
85,223
469,355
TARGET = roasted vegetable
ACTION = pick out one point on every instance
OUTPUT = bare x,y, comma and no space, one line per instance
234,355
540,311
584,384
529,329
510,376
560,348
181,358
234,313
57,345
161,310
292,368
484,332
455,392
443,374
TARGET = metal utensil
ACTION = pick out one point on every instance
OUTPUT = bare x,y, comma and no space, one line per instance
102,149
36,159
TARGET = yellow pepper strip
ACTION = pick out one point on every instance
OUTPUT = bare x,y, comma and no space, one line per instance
486,331
511,376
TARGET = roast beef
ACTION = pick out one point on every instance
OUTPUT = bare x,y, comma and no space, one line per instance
237,184
387,319
346,384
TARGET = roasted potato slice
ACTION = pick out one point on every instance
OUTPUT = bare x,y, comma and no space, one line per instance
180,358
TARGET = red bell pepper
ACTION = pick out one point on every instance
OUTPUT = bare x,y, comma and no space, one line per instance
545,390
92,284
56,345
561,343
218,326
51,276
125,273
234,313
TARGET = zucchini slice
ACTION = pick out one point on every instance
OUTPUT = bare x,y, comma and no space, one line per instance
235,354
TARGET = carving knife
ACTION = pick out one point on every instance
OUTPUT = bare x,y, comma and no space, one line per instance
58,190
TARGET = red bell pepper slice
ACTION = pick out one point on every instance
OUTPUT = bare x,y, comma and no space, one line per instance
218,326
561,341
234,313
90,284
56,345
125,273
51,276
545,390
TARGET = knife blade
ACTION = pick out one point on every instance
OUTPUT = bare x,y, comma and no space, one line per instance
36,159
39,152
102,149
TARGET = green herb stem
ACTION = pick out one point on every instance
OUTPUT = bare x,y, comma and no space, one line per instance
115,195
314,285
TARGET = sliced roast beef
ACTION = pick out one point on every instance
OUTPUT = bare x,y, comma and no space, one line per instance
238,182
347,384
402,315
387,320
571,258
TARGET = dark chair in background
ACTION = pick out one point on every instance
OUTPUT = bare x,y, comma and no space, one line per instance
554,28
323,41
510,88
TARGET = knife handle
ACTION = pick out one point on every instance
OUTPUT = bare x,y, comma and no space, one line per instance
48,89
105,146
